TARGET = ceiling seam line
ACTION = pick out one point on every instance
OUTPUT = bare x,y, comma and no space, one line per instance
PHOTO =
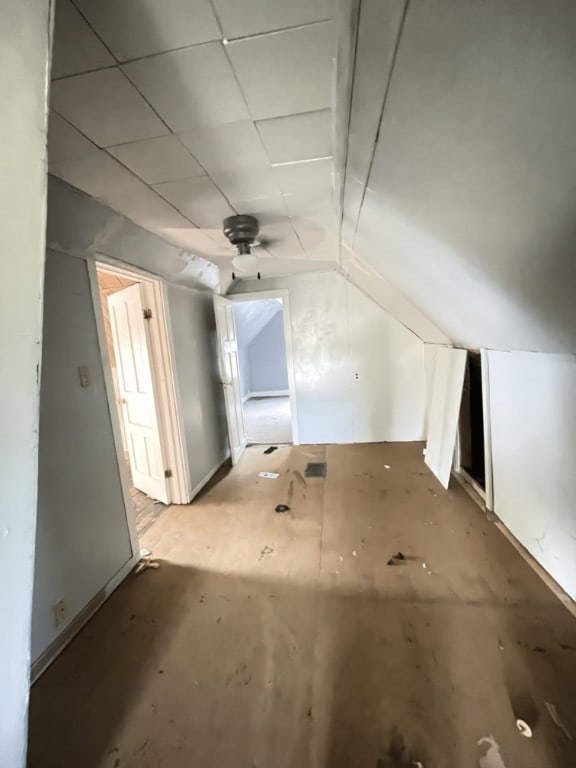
280,31
237,81
381,118
94,31
347,134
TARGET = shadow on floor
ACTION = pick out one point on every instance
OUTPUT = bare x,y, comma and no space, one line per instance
184,668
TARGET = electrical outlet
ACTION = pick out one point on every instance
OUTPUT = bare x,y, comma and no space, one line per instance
60,612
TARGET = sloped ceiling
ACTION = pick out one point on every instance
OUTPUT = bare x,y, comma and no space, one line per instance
181,112
461,177
252,316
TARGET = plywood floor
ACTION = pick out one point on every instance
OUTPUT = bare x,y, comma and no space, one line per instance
286,641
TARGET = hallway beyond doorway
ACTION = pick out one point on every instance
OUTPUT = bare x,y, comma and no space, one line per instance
268,420
287,640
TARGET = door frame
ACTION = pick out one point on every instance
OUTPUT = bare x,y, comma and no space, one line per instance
164,381
283,294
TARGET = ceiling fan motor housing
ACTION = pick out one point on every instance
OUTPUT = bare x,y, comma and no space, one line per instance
242,231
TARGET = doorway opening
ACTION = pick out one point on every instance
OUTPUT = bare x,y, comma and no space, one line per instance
264,383
471,445
134,338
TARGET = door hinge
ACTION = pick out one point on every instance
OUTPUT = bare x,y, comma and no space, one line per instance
147,314
167,473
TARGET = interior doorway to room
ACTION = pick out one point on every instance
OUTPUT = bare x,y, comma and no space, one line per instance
124,314
264,383
256,369
471,425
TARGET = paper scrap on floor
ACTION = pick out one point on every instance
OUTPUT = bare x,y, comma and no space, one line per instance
270,475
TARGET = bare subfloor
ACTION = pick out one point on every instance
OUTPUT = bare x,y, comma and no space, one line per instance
286,641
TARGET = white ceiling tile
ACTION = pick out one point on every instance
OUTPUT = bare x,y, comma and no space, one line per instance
226,147
281,240
156,160
65,142
250,182
310,205
76,47
268,210
106,107
310,178
297,137
267,15
105,179
286,72
199,199
134,28
190,88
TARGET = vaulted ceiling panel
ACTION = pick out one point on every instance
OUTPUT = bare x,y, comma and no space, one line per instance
286,72
256,16
199,199
106,107
135,28
76,47
65,142
191,87
297,137
157,160
470,206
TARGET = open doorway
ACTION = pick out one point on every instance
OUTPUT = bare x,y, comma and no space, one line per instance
263,371
136,343
471,447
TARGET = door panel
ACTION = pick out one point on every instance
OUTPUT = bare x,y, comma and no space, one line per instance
135,383
449,372
230,375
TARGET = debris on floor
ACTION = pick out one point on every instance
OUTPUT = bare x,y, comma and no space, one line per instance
282,508
271,449
396,559
316,469
146,561
492,757
553,712
265,551
354,553
386,466
269,475
524,728
399,556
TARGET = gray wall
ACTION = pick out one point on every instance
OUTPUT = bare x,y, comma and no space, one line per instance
533,424
82,536
25,32
201,400
267,358
359,373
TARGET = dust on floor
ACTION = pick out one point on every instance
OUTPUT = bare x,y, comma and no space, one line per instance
286,640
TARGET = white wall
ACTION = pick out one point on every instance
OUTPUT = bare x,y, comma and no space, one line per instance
24,50
533,428
193,327
338,333
267,358
82,536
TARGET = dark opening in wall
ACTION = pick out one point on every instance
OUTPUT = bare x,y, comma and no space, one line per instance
471,424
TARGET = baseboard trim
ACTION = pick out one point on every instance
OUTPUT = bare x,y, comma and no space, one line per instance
558,591
206,479
46,658
270,393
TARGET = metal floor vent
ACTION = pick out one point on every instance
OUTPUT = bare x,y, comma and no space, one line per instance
317,469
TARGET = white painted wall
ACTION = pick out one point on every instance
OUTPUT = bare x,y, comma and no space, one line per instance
533,427
193,328
267,358
82,536
338,332
24,59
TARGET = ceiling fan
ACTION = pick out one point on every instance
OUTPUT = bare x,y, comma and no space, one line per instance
242,231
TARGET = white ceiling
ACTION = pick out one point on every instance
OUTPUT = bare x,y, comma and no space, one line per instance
460,187
180,113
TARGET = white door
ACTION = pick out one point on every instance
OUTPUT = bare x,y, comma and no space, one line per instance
135,383
230,375
449,369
